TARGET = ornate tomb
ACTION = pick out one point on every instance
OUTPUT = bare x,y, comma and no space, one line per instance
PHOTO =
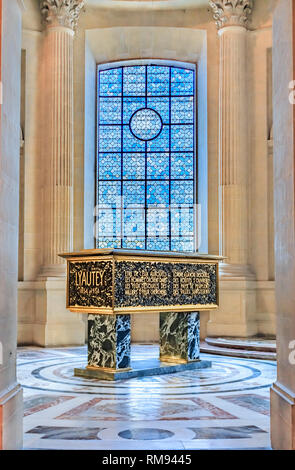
110,285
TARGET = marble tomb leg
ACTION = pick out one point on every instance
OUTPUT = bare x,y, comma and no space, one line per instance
109,342
179,337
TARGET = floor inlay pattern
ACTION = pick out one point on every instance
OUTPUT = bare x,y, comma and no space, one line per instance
224,407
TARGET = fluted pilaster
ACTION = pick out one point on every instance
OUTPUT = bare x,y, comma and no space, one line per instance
60,18
231,19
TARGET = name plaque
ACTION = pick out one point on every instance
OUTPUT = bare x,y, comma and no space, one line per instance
118,281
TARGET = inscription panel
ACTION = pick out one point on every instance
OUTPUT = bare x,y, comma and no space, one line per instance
90,284
152,284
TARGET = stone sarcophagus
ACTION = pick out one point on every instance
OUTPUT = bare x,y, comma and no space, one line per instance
110,285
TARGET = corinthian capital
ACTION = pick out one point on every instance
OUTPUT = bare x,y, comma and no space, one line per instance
61,12
231,12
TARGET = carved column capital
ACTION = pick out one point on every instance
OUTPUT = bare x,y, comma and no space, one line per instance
61,12
231,12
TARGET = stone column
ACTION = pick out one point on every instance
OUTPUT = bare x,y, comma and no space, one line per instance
231,18
60,18
54,325
238,298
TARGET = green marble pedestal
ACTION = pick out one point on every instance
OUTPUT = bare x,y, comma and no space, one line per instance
109,348
109,345
180,337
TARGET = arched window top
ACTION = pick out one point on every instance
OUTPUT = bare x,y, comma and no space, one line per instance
146,156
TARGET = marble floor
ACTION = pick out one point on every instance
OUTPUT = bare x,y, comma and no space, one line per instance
225,407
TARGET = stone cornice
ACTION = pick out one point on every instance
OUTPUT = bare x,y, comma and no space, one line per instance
231,12
61,12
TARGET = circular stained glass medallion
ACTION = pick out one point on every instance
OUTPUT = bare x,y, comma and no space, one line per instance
146,124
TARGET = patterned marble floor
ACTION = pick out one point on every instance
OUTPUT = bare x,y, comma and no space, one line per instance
225,407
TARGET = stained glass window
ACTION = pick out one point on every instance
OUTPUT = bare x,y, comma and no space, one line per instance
146,158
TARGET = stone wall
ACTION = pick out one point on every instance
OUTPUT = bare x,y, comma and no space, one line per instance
283,391
10,392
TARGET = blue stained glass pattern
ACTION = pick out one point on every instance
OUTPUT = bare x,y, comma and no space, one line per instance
182,244
109,138
182,81
110,111
134,223
110,82
109,166
146,124
157,193
158,80
109,194
182,110
134,243
182,222
158,166
133,166
161,143
158,244
157,222
131,143
109,242
109,222
133,194
182,166
146,157
182,193
162,106
130,106
182,138
134,81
